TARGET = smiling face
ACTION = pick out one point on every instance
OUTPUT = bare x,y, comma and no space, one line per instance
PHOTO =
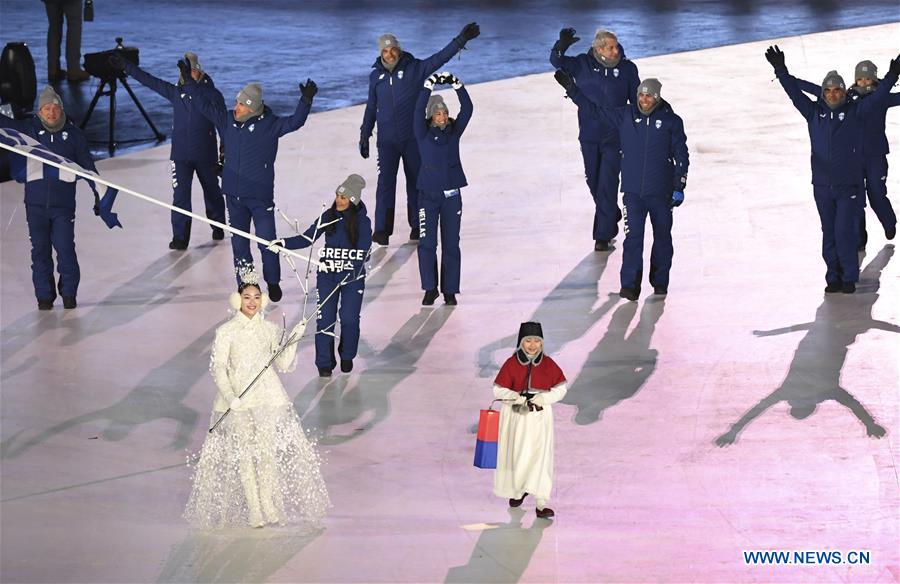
646,102
532,345
390,55
341,202
865,82
440,117
251,300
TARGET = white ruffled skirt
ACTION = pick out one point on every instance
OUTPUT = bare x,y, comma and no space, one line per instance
257,467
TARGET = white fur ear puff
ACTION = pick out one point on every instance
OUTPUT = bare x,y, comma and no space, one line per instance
264,301
234,299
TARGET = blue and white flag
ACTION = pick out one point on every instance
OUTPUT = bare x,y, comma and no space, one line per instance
24,169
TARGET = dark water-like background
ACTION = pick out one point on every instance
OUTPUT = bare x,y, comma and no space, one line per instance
281,42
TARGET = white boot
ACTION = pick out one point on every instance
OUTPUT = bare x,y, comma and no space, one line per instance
266,480
251,493
256,518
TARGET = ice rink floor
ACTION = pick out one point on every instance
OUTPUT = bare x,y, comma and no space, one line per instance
101,405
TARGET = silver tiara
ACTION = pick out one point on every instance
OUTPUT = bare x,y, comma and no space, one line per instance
247,274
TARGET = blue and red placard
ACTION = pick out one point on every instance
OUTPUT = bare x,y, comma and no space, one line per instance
486,444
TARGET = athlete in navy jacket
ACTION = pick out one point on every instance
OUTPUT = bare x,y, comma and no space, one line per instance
193,146
654,175
348,237
440,179
835,127
394,84
250,134
50,201
607,78
874,148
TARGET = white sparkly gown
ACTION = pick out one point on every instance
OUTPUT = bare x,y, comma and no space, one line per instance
258,465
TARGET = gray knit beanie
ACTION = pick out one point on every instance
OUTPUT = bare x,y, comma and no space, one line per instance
833,80
252,97
48,95
194,60
387,40
435,103
652,87
352,188
866,70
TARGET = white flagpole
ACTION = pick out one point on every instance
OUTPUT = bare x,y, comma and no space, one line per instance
96,178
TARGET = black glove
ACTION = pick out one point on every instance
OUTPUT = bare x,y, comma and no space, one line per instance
567,38
564,79
116,62
775,57
469,32
364,147
895,67
185,68
309,90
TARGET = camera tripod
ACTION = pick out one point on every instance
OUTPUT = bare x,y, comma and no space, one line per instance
112,82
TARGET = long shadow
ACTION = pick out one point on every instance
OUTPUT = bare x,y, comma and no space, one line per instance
139,295
367,402
233,555
620,364
376,281
159,395
815,371
132,300
566,313
502,552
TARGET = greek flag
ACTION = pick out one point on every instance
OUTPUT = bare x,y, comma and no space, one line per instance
25,170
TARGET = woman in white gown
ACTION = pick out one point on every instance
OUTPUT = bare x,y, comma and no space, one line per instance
257,466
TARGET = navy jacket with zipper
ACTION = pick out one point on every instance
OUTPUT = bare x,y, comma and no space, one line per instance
339,238
606,86
874,138
193,135
392,94
251,146
835,135
441,168
654,147
69,142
